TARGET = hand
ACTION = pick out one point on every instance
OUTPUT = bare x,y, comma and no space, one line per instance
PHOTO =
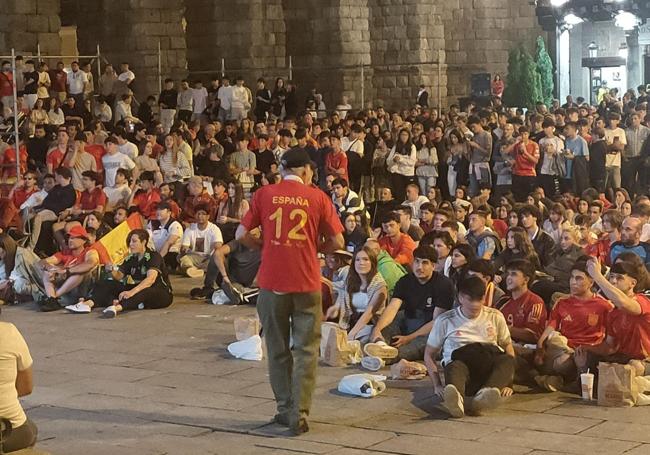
4,284
397,158
593,268
401,340
581,356
497,279
539,356
108,268
76,211
438,390
124,295
222,219
506,392
332,312
375,233
227,280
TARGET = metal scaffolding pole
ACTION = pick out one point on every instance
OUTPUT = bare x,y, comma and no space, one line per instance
363,88
99,66
16,133
159,67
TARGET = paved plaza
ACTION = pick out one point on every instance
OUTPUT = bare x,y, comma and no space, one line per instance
162,382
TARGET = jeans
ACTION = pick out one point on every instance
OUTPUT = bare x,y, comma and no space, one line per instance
167,119
402,325
292,370
612,177
426,183
477,370
39,218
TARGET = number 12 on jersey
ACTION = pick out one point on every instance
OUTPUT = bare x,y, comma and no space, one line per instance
297,219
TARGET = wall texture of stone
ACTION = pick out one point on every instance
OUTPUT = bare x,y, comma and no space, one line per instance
400,43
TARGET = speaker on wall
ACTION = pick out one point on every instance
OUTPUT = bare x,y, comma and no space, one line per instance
481,84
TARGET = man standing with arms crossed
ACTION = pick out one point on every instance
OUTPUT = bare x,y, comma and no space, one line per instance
294,218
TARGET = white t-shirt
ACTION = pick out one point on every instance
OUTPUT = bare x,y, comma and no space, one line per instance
129,149
76,81
114,162
452,330
117,195
556,144
415,207
160,236
352,145
14,357
225,96
200,97
614,159
126,76
201,241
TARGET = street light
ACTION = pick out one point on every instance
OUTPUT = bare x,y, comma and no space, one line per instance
558,3
593,49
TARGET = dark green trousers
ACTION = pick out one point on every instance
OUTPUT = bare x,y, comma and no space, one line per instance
292,370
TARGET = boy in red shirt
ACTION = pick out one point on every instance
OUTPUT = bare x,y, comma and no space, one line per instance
397,244
336,162
628,325
578,320
146,196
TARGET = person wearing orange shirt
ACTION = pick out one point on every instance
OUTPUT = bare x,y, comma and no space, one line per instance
146,196
397,244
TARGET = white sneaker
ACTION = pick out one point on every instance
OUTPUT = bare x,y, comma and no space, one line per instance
453,401
372,363
380,349
194,272
79,308
110,312
486,398
140,306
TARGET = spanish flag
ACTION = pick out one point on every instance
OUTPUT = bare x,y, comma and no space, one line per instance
112,248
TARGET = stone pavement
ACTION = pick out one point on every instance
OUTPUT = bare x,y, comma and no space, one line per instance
161,382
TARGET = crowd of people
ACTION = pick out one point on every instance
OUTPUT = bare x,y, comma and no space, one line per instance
493,244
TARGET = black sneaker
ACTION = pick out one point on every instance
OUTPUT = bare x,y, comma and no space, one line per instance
50,304
233,292
201,293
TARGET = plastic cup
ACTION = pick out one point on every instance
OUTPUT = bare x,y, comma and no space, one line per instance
587,382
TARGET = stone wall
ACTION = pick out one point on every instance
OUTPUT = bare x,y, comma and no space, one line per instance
406,43
479,34
129,31
26,23
249,36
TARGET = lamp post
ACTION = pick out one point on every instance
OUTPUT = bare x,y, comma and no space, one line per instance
593,49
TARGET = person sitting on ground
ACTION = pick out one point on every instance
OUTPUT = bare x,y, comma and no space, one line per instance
198,196
344,199
139,283
363,300
443,244
612,223
58,199
67,276
397,244
461,256
353,236
477,353
200,240
419,298
415,200
166,234
145,195
485,270
120,192
631,241
485,242
525,314
406,224
379,208
628,325
577,320
335,273
529,219
518,246
389,270
16,381
95,220
427,213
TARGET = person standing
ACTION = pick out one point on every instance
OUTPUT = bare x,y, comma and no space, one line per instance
294,217
168,100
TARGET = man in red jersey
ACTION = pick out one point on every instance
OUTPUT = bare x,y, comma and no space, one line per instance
578,320
294,218
628,325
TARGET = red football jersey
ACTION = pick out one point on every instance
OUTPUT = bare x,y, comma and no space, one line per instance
147,203
632,333
293,217
92,200
582,322
526,312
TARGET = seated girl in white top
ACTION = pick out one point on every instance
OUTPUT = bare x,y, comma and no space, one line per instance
15,381
364,298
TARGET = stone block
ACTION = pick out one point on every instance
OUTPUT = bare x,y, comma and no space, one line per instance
54,23
50,43
37,24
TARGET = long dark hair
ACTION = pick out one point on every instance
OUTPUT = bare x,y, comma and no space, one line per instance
9,246
353,284
522,241
401,147
234,204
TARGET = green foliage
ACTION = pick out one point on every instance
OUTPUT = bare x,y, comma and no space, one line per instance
512,93
531,81
545,70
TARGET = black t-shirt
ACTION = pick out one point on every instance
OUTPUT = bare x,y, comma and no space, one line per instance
419,300
37,150
32,87
169,98
137,268
243,262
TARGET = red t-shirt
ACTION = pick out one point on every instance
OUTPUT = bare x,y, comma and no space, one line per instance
526,312
582,322
631,332
523,166
59,79
67,259
21,195
92,200
402,251
293,217
189,212
147,202
97,151
500,227
55,158
338,161
6,85
600,249
9,161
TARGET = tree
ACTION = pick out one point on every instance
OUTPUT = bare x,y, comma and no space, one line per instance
531,81
545,70
512,94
